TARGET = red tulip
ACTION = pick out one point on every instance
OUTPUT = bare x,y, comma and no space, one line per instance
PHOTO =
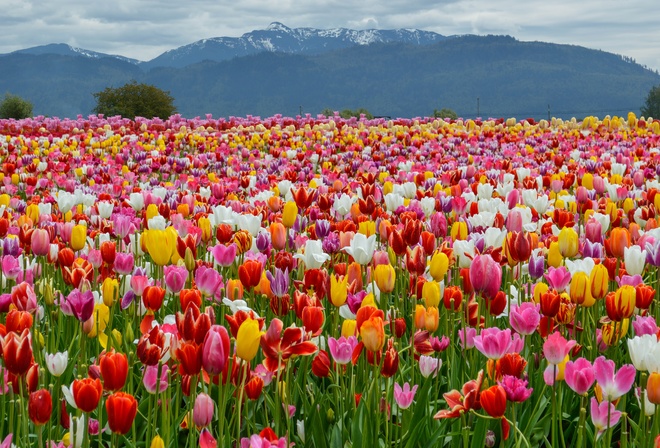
17,321
193,325
114,369
255,385
312,317
152,297
391,360
121,409
40,407
17,352
250,273
108,252
321,364
278,346
190,356
87,393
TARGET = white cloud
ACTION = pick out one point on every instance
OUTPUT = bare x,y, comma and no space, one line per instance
143,29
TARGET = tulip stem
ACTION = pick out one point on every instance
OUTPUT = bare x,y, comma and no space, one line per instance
554,406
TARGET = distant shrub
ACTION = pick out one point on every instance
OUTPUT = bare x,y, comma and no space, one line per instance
14,106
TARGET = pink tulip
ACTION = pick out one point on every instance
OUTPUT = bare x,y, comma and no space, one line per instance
493,343
10,267
516,388
556,347
7,442
558,278
224,255
524,319
485,275
151,378
600,413
175,277
40,242
613,384
579,375
124,263
467,336
139,284
341,349
404,396
208,280
428,365
203,410
216,350
206,439
644,325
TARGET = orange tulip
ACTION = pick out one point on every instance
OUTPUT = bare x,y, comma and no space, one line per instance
619,239
653,388
372,332
278,235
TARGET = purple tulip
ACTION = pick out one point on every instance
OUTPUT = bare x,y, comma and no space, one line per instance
80,304
279,283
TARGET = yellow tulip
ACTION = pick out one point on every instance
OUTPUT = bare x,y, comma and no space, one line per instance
248,339
78,237
431,293
205,224
554,255
367,228
369,300
338,290
568,242
581,290
459,231
439,266
4,199
588,181
539,290
100,316
160,245
157,442
32,212
385,276
289,214
110,291
348,328
152,210
599,280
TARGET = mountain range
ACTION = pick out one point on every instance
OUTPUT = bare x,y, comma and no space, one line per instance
397,73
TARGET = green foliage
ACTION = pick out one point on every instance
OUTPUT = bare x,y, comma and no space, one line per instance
348,113
445,113
135,100
13,106
651,107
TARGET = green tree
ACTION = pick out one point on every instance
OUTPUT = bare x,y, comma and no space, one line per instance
651,107
134,100
445,113
14,106
348,113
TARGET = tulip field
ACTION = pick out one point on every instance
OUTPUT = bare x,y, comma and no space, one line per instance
329,283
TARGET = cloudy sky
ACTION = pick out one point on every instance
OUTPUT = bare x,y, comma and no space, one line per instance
143,29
